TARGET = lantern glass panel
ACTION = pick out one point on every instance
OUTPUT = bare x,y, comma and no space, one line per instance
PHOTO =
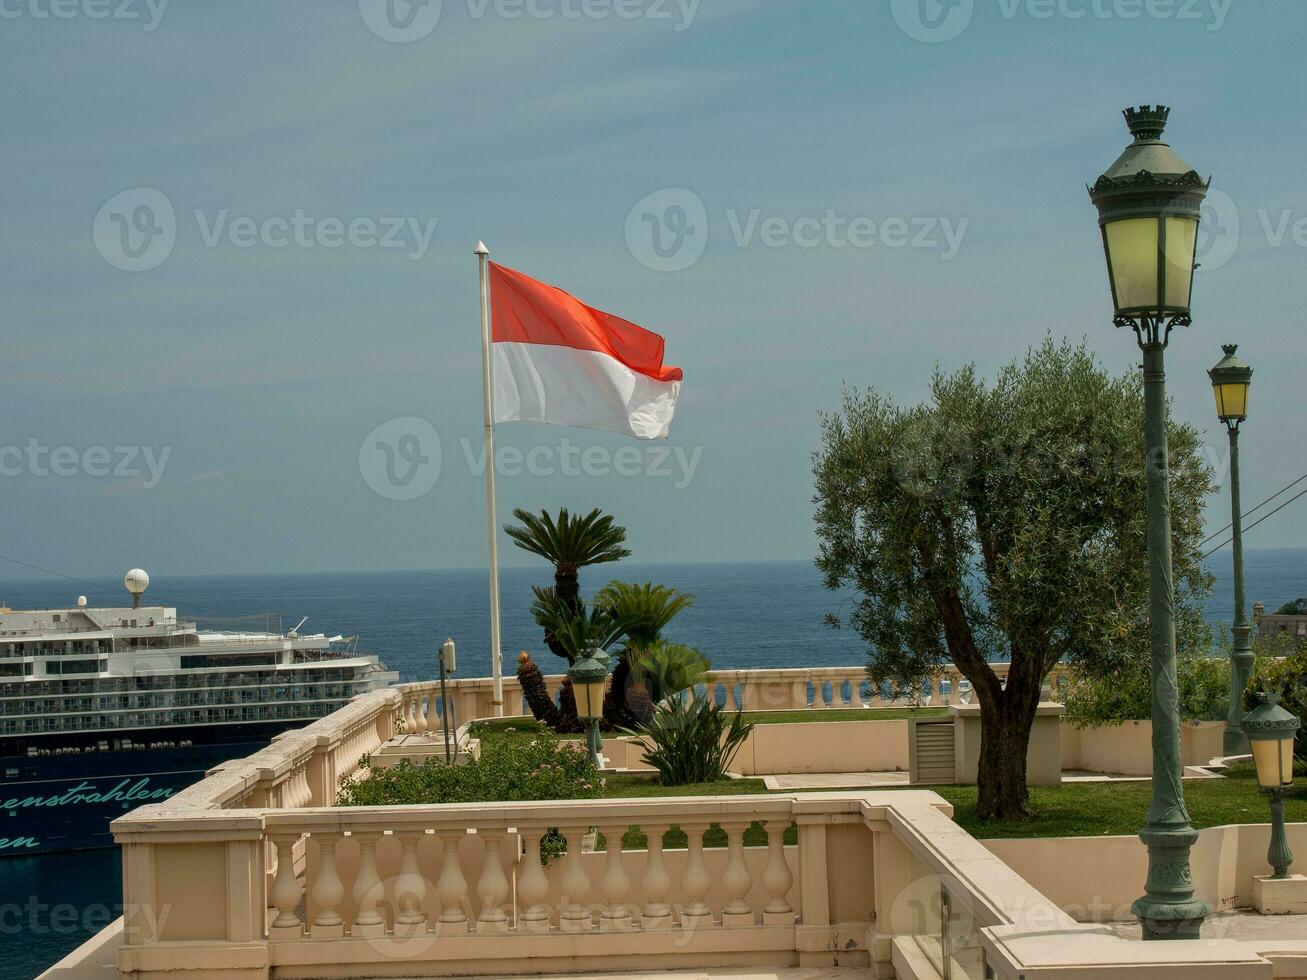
1231,401
1132,249
590,699
1274,760
1181,241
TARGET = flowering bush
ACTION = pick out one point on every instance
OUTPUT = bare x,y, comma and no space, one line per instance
541,767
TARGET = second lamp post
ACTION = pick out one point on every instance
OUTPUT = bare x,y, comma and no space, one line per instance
1230,381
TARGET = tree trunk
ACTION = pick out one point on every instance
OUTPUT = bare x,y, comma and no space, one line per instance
567,587
1005,726
536,691
567,584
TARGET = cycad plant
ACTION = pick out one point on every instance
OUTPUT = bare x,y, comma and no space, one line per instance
581,629
570,542
693,742
648,608
672,668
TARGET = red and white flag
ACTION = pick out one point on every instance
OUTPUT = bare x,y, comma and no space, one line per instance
559,361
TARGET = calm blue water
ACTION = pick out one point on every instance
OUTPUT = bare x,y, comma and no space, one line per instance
745,615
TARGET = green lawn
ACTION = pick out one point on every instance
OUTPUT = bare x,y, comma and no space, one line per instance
1072,810
512,726
527,726
1101,809
840,714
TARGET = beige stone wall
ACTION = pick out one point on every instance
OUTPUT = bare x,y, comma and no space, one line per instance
1126,749
1095,879
825,746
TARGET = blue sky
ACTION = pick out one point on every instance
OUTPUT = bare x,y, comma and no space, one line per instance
842,192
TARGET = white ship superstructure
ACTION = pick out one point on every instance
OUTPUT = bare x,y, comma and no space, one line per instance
87,694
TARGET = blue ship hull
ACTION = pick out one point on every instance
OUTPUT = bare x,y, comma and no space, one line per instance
66,802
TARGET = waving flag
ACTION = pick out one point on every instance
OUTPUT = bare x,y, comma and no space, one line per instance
559,361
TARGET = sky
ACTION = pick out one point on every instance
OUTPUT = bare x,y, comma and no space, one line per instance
239,322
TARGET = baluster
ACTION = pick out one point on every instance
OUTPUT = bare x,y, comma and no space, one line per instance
451,887
493,885
285,892
410,887
421,725
327,891
749,699
368,890
533,886
695,882
736,878
574,886
410,716
777,877
798,694
657,883
615,884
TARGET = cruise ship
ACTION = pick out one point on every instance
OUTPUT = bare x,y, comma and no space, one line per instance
106,709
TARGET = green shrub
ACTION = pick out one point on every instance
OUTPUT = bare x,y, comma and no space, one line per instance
1295,607
1288,678
693,742
1126,693
672,668
542,767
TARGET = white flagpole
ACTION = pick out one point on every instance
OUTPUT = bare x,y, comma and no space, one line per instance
496,656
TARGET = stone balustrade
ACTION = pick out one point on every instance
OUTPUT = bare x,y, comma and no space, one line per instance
252,874
508,888
762,689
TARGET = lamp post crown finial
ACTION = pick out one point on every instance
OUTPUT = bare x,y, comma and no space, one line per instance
1229,349
1147,122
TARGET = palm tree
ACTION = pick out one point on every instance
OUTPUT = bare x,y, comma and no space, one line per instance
570,543
647,606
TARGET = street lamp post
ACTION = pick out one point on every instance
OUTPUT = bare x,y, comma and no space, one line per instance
1149,205
1230,381
1271,729
589,675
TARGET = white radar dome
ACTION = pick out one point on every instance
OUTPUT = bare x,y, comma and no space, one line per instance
136,581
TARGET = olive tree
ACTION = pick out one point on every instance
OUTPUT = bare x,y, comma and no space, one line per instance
1002,521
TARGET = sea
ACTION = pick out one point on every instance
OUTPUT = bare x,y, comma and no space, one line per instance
745,614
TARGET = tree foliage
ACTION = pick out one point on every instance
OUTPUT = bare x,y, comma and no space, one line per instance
1283,670
1003,520
570,542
